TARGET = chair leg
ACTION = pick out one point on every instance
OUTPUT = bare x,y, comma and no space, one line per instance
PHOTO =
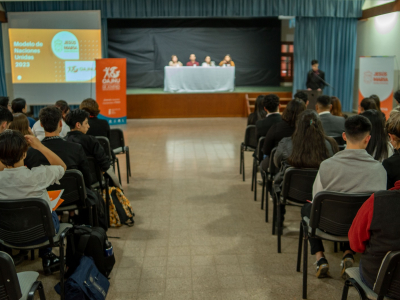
128,160
241,159
305,262
300,247
335,247
119,172
32,254
266,206
62,268
255,181
243,166
263,188
42,296
108,200
345,292
273,214
252,177
278,218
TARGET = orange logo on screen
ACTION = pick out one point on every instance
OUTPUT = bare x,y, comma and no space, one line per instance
368,77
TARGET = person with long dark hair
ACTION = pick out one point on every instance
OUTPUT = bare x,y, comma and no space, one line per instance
377,101
259,112
367,104
378,147
336,109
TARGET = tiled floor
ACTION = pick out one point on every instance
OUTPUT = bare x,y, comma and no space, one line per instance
198,233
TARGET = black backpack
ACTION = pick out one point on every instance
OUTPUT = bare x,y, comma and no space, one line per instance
92,242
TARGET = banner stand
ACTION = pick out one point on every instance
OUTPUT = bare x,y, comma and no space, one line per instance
377,78
111,89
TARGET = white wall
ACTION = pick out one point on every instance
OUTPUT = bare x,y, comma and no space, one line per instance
378,36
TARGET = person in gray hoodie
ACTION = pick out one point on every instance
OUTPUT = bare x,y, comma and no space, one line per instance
352,170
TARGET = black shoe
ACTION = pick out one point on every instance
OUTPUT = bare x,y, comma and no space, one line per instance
347,262
322,268
51,263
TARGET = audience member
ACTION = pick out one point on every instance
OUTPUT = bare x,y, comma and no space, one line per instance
392,163
379,146
307,155
97,127
174,61
72,154
271,106
302,96
38,129
20,123
378,105
333,125
367,104
192,61
395,111
259,112
376,231
19,105
6,118
282,129
352,170
77,120
227,61
5,102
336,109
397,98
18,182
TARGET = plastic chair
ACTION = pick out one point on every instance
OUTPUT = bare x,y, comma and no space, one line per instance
387,281
38,224
257,158
105,143
249,144
296,190
16,286
331,217
99,182
74,194
268,178
117,143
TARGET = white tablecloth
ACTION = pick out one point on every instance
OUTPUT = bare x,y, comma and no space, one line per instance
199,79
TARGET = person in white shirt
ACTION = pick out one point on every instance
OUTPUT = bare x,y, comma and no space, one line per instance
38,129
18,182
207,62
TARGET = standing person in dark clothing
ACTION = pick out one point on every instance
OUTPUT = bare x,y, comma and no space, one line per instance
315,77
97,127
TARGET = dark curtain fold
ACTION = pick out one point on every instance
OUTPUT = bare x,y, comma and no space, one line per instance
332,41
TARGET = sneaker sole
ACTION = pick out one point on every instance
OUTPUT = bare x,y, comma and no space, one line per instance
323,271
347,263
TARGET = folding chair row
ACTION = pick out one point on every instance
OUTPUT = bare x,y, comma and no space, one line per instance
249,144
117,143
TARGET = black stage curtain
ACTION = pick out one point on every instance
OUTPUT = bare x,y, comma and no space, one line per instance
254,45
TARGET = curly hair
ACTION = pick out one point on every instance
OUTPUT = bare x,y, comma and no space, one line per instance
90,105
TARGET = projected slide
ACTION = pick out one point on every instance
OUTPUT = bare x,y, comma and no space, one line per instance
54,55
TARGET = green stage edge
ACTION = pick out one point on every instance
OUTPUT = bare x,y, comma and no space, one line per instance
238,89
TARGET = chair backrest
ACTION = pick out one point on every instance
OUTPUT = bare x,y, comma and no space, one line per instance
25,220
250,138
74,188
334,212
339,140
272,169
298,184
105,143
388,279
259,152
117,139
95,171
9,284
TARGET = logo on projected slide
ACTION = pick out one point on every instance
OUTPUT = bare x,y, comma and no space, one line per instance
65,45
80,70
111,80
368,77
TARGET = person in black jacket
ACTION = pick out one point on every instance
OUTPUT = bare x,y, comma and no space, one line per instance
315,77
392,163
271,106
77,120
97,127
72,154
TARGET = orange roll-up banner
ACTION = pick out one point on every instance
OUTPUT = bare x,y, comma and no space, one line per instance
377,77
111,89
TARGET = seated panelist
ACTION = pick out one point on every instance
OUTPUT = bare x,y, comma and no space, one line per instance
207,62
192,61
227,61
174,61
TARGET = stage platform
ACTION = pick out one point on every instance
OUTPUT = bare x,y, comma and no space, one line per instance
155,103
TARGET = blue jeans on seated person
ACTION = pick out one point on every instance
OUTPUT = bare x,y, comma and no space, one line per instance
45,251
